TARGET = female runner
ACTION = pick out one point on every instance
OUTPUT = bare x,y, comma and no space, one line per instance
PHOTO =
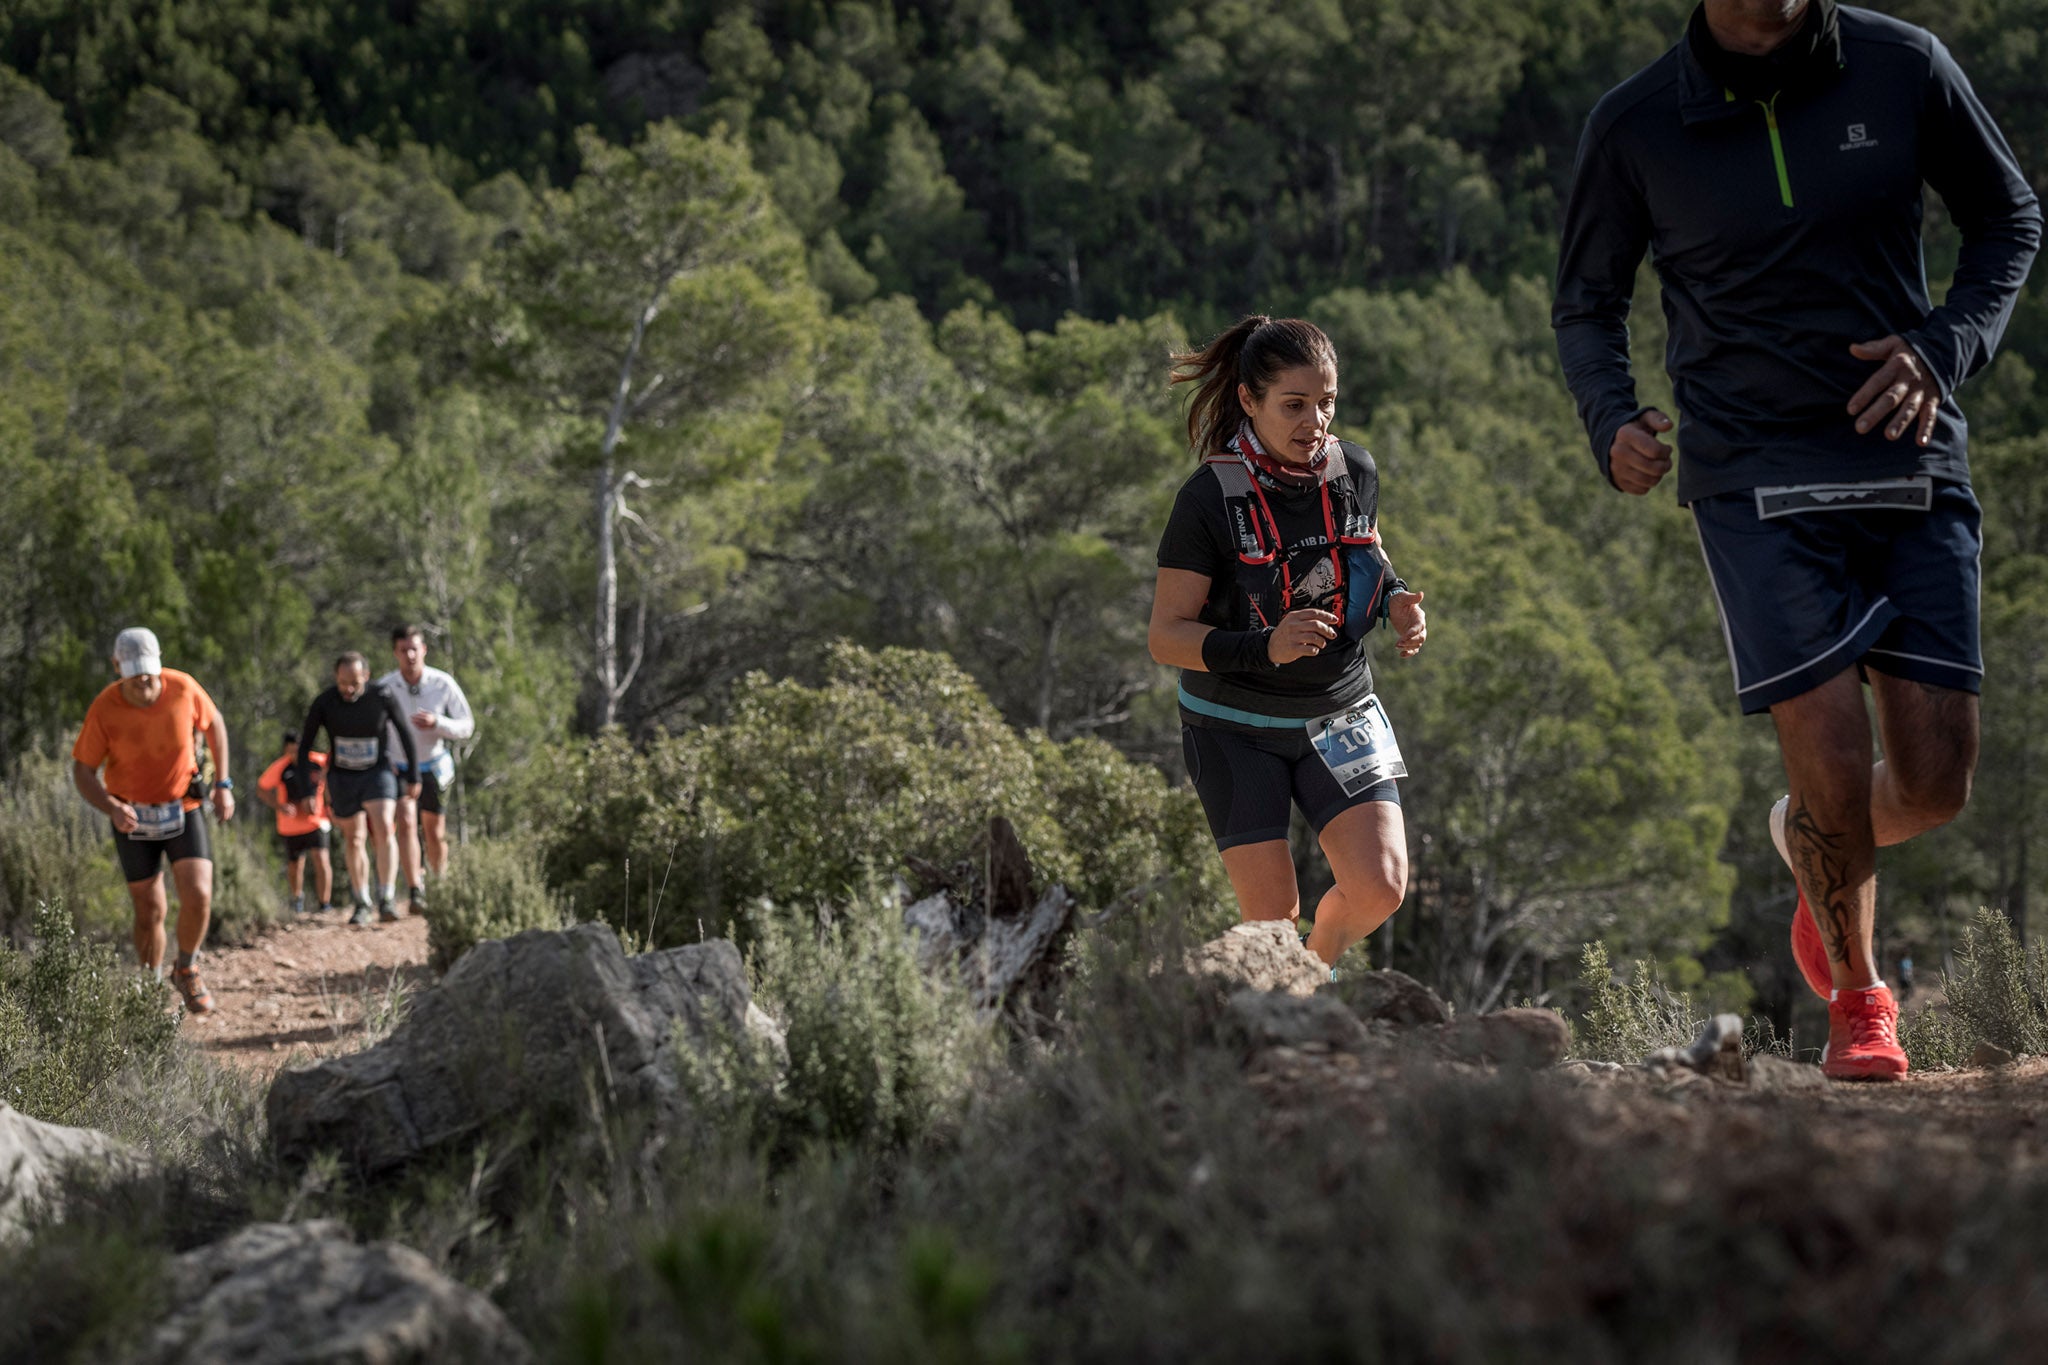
1271,572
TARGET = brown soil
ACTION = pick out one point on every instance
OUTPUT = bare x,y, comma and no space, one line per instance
307,989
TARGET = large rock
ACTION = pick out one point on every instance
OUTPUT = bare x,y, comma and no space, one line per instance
36,1158
1263,955
1530,1038
1391,997
283,1294
1316,1023
536,1024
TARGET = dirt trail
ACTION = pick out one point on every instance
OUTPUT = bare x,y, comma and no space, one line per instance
307,989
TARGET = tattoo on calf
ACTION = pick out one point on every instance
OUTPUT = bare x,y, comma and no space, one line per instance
1824,872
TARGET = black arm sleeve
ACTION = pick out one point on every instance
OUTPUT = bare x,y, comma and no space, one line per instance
404,728
1965,158
1606,231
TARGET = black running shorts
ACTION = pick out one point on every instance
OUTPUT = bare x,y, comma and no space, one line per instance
142,859
1247,782
430,792
347,790
297,846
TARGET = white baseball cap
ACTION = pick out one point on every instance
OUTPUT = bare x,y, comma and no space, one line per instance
136,651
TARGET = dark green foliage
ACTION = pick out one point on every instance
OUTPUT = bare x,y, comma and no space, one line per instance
73,1014
806,795
1997,993
493,890
880,1055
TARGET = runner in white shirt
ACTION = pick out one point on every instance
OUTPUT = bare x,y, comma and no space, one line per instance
439,712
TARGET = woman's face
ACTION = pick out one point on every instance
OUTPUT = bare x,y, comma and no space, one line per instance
1293,420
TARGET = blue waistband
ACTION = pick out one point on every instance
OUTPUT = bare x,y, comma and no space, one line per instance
1231,713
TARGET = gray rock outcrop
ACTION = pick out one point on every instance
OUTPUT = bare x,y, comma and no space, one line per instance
1263,1019
1392,997
296,1293
535,1025
1263,955
1527,1038
36,1158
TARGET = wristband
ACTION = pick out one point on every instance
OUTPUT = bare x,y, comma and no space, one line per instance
1237,651
226,784
1399,584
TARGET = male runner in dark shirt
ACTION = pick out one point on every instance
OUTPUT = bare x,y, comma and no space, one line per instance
1772,163
360,783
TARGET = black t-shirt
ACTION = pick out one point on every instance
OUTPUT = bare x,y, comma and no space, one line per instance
1197,539
364,722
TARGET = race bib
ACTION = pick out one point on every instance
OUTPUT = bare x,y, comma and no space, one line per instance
156,823
356,754
1357,744
442,766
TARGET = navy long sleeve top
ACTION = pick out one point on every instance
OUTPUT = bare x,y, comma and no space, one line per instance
1783,228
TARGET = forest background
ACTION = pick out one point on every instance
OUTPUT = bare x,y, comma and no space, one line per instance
637,348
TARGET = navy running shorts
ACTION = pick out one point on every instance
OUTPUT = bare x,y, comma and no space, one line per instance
348,789
142,859
1815,579
1246,782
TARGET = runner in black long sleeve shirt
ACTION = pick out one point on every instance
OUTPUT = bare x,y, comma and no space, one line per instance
1772,164
361,785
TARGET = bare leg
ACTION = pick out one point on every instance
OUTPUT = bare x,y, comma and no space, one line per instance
1262,875
1824,737
356,851
295,876
1930,756
1368,850
195,901
434,831
150,908
383,839
323,875
409,839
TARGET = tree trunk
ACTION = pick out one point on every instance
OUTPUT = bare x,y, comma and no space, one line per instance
609,487
1048,655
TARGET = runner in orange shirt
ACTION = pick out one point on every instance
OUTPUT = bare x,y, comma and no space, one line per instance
141,729
302,826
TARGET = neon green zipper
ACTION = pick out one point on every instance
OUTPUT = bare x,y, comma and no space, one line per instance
1770,108
1777,149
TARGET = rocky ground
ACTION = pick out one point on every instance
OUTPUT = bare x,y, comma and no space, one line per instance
306,989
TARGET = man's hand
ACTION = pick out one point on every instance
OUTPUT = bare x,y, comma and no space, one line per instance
1902,389
1300,634
424,719
412,791
223,804
122,814
1637,460
1406,616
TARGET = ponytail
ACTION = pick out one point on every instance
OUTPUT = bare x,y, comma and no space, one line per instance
1252,353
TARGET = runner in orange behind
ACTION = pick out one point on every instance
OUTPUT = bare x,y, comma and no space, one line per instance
141,728
302,826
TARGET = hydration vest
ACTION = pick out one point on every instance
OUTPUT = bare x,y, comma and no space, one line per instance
1265,588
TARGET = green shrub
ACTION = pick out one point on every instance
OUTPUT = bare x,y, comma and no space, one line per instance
881,1054
1998,993
807,795
493,889
1628,1019
54,848
73,1014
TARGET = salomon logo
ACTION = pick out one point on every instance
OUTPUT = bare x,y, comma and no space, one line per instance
1858,138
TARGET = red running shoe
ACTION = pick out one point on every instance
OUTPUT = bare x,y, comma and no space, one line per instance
1809,952
1863,1037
